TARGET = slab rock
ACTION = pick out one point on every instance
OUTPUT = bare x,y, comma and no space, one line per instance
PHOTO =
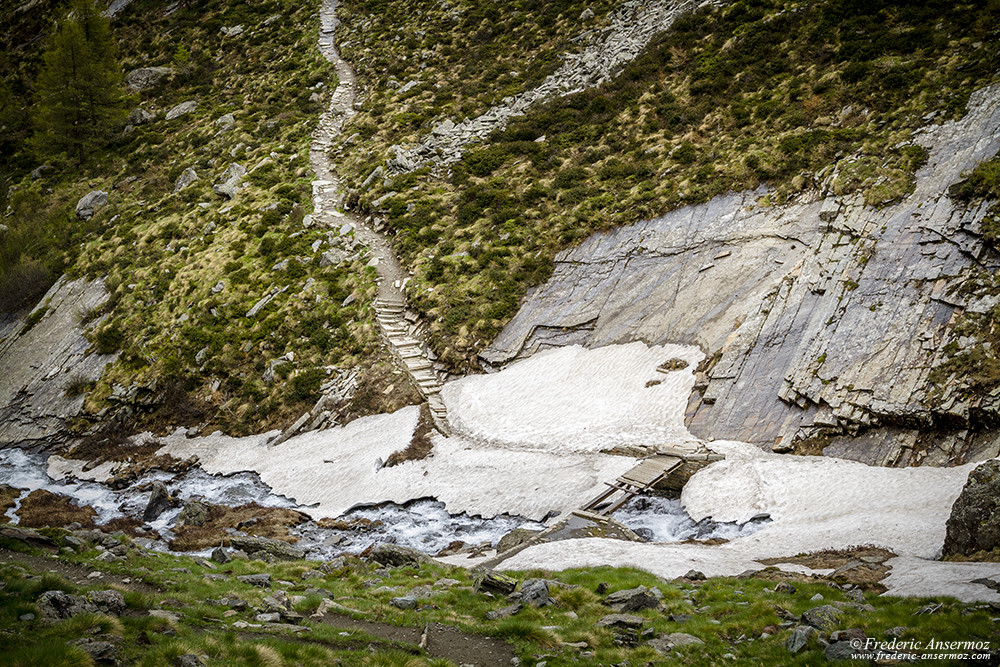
182,109
974,524
633,599
258,546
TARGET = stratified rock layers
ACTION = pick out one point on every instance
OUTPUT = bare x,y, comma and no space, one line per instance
825,315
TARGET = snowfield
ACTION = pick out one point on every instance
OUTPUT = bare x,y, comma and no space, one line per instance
528,441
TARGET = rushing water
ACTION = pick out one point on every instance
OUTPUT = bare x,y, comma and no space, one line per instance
423,524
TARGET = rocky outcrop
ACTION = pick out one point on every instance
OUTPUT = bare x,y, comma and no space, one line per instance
145,77
187,177
231,181
631,27
823,316
182,109
974,524
40,364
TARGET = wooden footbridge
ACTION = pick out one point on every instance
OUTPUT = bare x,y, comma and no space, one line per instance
668,470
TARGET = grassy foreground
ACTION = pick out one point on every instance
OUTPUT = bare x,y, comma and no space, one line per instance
182,606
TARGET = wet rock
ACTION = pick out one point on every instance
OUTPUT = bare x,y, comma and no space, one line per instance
515,538
145,77
505,612
393,555
182,109
800,638
974,524
260,580
633,599
824,617
194,514
89,203
621,621
159,502
494,583
277,549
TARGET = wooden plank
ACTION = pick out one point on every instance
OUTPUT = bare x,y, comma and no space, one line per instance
651,471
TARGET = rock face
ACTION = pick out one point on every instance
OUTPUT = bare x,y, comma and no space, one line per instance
37,365
632,25
974,524
826,316
145,77
89,203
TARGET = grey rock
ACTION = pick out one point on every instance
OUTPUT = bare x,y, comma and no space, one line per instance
974,524
633,599
262,580
824,617
159,502
621,621
273,548
268,617
332,257
187,177
225,121
695,575
535,592
231,181
103,652
682,639
41,170
182,109
313,574
145,77
840,651
504,612
232,31
89,203
138,116
785,587
194,513
393,555
800,638
188,660
587,14
404,602
57,604
515,538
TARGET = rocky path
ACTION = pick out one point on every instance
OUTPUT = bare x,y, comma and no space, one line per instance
403,335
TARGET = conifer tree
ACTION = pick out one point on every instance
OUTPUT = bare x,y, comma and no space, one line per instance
80,97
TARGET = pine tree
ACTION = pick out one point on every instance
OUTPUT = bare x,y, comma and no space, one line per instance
80,97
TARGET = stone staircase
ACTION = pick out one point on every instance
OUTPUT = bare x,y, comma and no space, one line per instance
390,313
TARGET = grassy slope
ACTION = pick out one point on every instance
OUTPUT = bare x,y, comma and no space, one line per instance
771,92
730,618
161,253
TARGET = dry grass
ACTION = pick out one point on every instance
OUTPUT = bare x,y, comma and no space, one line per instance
270,522
420,444
43,508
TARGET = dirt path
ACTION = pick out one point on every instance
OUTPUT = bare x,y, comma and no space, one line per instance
406,340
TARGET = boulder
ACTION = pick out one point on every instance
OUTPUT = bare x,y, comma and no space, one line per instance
182,109
404,602
633,599
231,181
193,514
255,546
55,605
332,257
824,617
225,121
40,171
800,638
681,639
159,502
621,621
394,555
505,612
492,582
145,77
586,14
535,592
138,116
101,652
187,177
840,651
107,602
89,203
974,524
514,538
262,580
